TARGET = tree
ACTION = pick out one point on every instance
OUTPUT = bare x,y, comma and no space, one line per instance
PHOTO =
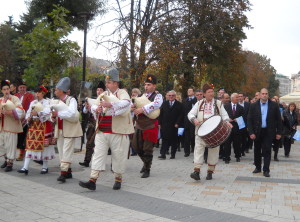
47,49
10,61
42,8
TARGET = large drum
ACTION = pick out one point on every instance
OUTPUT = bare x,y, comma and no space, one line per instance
214,131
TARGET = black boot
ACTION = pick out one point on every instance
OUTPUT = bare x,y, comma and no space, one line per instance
275,156
4,165
62,178
146,173
143,169
8,168
91,184
209,176
84,163
69,174
195,175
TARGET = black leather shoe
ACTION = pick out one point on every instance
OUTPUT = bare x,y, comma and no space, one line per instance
4,165
227,161
209,176
142,170
172,157
89,185
162,157
195,175
8,168
186,155
23,171
44,171
246,151
276,159
256,171
85,164
146,174
266,174
61,179
69,176
133,154
238,159
117,185
243,154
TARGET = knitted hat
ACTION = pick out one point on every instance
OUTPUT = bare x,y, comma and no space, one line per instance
64,84
5,83
112,75
151,79
206,87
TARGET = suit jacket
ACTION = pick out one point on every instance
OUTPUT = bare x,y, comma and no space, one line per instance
187,106
246,111
27,99
169,116
239,111
274,123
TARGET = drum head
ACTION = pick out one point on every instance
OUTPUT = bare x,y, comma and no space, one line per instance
209,125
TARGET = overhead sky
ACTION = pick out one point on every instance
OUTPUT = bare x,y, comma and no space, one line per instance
275,32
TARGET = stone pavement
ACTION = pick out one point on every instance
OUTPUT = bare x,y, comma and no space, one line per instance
169,194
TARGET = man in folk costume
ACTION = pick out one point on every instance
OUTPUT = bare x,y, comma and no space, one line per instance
10,125
91,128
114,124
146,129
202,110
66,131
39,132
26,98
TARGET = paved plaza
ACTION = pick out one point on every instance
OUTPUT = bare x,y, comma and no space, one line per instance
169,194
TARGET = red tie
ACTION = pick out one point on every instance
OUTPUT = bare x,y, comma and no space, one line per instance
233,109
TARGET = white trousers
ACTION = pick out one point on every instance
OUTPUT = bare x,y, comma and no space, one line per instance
8,144
212,158
65,150
119,145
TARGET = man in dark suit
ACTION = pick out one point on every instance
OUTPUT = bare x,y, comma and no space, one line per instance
234,111
189,128
244,132
264,124
170,119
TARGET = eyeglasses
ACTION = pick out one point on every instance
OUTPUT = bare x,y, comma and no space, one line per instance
171,95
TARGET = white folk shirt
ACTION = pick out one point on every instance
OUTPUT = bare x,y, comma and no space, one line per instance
44,115
156,104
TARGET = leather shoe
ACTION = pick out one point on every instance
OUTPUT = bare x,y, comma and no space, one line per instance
4,165
69,175
186,155
256,171
23,171
266,174
172,157
89,185
276,159
142,170
61,179
86,164
117,185
227,161
209,176
238,159
8,168
44,171
146,174
162,157
195,175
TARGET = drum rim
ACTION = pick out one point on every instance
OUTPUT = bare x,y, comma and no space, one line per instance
206,120
225,138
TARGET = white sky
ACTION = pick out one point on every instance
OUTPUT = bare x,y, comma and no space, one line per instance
275,33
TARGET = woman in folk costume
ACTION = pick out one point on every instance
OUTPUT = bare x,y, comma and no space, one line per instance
39,133
11,113
201,111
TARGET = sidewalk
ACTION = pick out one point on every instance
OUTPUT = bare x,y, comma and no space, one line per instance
234,194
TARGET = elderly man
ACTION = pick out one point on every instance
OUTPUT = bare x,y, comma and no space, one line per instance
114,124
202,110
170,119
264,124
67,129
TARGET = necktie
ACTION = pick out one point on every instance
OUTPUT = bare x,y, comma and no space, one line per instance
233,109
171,103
